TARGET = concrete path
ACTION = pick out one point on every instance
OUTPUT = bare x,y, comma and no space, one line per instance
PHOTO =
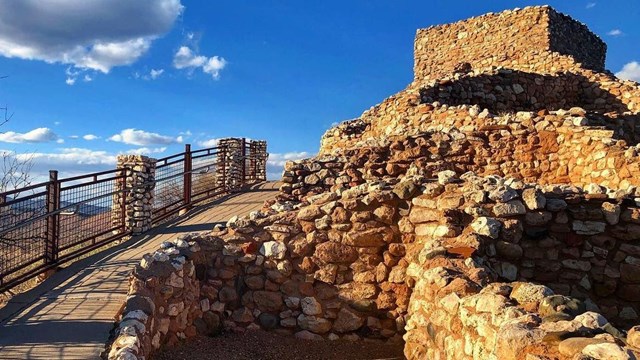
69,316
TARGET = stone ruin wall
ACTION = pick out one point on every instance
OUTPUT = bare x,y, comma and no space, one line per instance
443,264
535,39
499,91
545,147
484,98
480,243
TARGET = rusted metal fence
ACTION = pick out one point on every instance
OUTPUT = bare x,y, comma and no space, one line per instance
45,225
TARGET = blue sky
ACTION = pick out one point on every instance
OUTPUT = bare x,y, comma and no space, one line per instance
181,71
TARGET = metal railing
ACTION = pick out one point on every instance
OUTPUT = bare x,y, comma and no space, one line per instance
45,225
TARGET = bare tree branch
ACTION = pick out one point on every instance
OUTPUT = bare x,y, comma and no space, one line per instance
15,173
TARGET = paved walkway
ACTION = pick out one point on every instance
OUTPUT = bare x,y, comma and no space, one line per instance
69,316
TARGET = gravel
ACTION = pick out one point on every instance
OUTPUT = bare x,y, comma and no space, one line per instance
260,345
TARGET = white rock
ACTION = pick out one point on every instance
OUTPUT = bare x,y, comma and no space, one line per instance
487,226
445,177
311,306
273,249
607,351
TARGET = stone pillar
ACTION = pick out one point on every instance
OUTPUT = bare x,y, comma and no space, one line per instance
230,163
260,156
133,202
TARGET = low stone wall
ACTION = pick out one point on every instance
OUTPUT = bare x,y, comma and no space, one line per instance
331,270
163,303
310,177
581,244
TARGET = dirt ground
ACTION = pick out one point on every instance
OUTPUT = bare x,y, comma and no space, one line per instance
260,345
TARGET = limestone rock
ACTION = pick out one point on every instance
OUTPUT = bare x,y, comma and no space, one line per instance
510,208
334,252
607,351
307,335
487,226
273,249
534,199
347,321
314,324
572,346
525,293
270,301
311,306
633,337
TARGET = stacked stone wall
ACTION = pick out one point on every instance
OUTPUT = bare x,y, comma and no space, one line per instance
535,39
571,146
573,38
478,244
331,270
512,90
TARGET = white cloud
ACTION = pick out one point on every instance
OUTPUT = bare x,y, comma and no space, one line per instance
74,137
185,58
90,137
275,163
86,34
70,81
87,78
591,5
60,141
146,151
152,75
143,138
73,155
615,32
208,143
69,161
630,71
38,135
156,73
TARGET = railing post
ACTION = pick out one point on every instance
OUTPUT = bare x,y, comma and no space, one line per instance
188,166
244,162
254,160
123,201
3,212
53,220
224,168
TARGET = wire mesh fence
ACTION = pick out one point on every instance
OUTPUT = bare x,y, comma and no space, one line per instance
85,218
204,182
169,186
23,231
